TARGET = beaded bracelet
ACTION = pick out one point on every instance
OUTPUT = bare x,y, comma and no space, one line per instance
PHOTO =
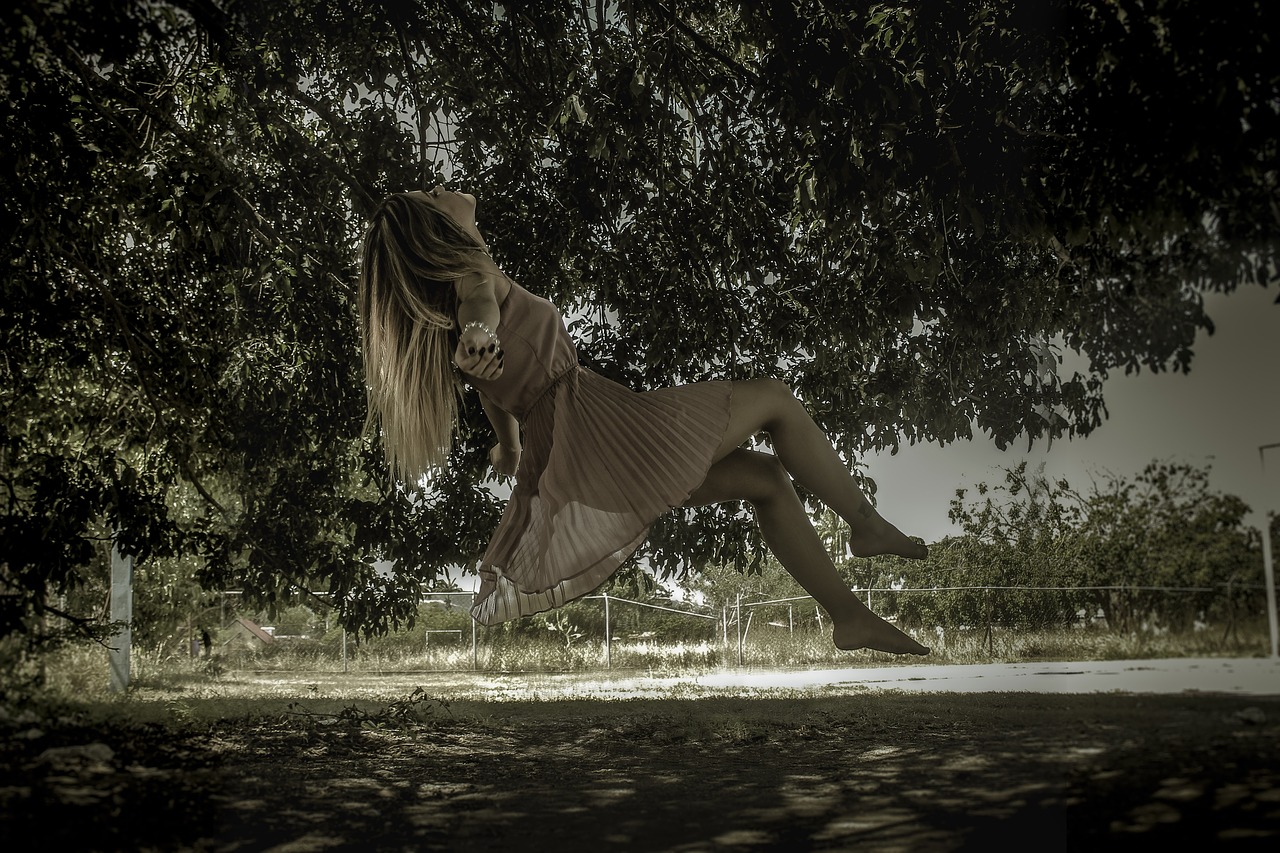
482,327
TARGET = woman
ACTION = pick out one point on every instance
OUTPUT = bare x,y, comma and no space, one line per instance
597,463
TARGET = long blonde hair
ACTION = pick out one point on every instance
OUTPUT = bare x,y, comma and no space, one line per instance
412,255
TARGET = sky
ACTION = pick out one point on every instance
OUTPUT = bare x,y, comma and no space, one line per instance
1217,415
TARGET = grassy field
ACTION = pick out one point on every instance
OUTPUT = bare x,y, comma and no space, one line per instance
296,754
78,672
271,761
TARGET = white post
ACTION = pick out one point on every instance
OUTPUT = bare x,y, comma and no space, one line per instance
473,633
608,658
344,648
121,611
738,617
1267,565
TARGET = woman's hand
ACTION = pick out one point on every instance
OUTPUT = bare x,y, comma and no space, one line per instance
505,460
478,354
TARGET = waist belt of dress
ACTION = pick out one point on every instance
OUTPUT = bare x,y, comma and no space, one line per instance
570,372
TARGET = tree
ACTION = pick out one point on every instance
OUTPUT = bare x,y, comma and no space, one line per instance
1159,549
1166,528
1023,532
906,212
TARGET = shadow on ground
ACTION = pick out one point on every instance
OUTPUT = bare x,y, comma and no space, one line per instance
913,772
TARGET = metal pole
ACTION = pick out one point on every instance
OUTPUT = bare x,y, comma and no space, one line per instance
473,633
1267,565
344,648
1269,568
608,652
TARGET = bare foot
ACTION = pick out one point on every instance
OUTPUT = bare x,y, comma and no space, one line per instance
868,631
875,536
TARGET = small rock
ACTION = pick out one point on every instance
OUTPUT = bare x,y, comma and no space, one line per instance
1252,715
95,753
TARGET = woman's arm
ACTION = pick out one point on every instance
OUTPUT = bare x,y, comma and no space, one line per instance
504,424
505,455
479,353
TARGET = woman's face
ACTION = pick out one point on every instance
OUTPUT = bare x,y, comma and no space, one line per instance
460,207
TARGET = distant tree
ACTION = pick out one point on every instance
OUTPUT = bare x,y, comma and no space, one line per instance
1022,532
1166,528
721,585
907,212
1136,550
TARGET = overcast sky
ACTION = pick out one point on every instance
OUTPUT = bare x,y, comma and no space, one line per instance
1218,414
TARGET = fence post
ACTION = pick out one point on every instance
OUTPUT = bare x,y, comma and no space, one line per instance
121,645
738,617
473,634
608,652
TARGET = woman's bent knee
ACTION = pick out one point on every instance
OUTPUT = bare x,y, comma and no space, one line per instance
776,391
758,404
769,479
773,399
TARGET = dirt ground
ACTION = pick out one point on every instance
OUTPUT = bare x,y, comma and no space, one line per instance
890,771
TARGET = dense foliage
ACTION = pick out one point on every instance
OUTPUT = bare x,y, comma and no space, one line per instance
1161,551
905,211
1158,552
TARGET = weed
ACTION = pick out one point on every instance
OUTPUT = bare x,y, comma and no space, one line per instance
414,710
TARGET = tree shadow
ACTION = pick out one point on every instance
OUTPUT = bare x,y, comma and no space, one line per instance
915,772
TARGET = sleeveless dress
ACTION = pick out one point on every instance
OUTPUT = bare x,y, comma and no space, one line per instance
600,464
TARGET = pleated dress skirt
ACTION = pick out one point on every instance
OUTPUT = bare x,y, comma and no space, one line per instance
601,463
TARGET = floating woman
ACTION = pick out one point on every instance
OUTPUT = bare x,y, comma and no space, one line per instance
595,463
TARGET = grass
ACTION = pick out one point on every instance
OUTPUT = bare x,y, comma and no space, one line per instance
80,672
289,760
231,748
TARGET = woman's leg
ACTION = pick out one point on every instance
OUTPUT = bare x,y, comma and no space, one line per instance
760,479
807,454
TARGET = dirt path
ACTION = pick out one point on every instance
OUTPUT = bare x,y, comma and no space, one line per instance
897,771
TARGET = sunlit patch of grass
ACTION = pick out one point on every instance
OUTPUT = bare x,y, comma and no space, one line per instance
507,665
658,657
